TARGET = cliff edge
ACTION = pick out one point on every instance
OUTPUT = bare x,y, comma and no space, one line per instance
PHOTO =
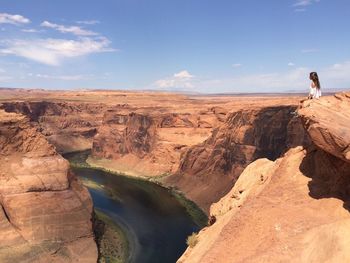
293,209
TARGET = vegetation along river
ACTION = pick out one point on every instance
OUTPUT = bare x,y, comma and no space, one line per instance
154,220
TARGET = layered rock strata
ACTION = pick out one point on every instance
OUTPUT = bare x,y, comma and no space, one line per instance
45,213
68,126
149,142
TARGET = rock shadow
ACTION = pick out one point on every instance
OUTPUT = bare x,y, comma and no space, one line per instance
330,176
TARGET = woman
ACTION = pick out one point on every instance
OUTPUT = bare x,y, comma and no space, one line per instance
315,87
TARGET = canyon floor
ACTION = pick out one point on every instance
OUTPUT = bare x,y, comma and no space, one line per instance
271,171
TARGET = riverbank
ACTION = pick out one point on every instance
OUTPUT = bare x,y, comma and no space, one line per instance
109,165
83,160
153,221
112,241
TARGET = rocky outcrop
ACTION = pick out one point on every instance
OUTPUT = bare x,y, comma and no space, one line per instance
149,142
68,126
293,209
45,213
328,123
209,170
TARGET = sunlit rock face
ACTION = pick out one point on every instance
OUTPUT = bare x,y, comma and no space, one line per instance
293,209
45,213
150,141
327,122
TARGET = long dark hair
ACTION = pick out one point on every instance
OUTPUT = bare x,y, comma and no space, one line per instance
315,80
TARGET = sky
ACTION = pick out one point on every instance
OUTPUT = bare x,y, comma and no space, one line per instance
180,45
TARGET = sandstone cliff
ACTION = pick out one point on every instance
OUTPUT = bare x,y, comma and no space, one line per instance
293,209
45,213
328,123
69,126
149,141
209,170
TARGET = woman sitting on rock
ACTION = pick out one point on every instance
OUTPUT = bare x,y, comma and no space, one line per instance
315,87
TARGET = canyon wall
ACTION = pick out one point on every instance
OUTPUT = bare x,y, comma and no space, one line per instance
45,213
202,145
69,126
293,209
150,141
207,171
203,151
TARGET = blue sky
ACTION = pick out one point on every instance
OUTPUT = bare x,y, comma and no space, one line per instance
194,45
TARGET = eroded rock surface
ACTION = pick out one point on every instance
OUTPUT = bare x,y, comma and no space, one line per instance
328,122
209,170
45,213
290,210
69,126
293,209
149,142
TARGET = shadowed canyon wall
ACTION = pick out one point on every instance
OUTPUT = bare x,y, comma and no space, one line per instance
69,126
209,170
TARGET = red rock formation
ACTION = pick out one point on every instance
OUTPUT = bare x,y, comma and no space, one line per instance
149,142
68,126
209,170
295,209
45,213
327,122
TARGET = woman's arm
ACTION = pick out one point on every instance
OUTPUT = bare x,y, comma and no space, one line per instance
311,91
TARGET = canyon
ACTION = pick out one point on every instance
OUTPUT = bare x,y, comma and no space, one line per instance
272,171
176,139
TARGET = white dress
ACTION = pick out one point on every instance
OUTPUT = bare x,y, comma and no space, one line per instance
315,93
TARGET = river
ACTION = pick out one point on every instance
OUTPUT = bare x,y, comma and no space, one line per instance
155,222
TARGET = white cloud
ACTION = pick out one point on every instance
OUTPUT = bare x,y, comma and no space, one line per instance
183,75
291,64
30,30
180,80
13,19
54,51
76,30
305,2
338,72
5,78
278,82
59,77
236,65
88,22
336,76
300,5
